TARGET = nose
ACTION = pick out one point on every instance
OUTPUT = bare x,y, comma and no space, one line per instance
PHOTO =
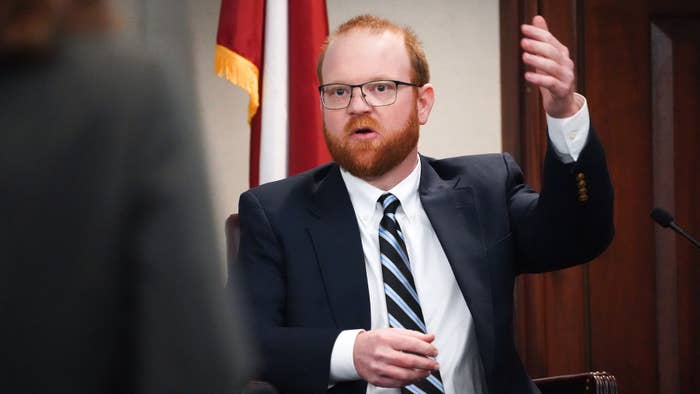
358,105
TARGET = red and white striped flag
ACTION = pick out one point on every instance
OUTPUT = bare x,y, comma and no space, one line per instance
278,40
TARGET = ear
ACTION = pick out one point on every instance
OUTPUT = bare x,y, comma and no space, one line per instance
424,102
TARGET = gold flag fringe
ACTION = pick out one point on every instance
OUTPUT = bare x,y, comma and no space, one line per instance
239,71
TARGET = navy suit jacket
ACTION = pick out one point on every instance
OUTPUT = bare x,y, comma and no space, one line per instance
302,258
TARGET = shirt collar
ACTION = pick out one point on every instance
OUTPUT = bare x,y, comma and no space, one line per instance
364,196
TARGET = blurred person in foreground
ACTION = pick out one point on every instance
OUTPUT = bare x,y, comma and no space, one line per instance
109,277
391,272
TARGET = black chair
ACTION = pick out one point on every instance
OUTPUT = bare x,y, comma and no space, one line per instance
583,383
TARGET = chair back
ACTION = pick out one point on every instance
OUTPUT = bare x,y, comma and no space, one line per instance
233,236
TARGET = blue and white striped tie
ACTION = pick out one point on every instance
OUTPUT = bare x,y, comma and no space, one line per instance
402,304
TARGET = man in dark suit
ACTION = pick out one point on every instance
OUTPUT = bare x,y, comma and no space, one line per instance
390,272
109,277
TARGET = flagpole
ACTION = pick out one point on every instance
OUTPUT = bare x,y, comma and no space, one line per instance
275,116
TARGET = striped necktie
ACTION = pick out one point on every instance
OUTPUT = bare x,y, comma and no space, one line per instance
403,307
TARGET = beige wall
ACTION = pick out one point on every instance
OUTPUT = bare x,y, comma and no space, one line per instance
224,112
461,38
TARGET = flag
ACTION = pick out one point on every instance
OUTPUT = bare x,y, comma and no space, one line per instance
308,28
238,57
269,49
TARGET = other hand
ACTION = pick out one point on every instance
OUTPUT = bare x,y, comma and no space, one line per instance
553,68
393,357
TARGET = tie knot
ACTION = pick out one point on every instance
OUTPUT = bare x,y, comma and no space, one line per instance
389,202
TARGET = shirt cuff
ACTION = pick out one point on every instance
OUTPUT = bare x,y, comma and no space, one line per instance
569,135
342,364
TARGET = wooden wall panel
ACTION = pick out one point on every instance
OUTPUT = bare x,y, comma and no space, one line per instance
662,162
566,326
675,83
635,311
551,325
622,283
509,11
684,36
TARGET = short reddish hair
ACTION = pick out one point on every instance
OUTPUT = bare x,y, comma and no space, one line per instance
419,63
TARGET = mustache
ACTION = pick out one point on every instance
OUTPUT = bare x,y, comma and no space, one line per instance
361,122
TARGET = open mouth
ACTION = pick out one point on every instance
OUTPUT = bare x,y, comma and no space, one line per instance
364,133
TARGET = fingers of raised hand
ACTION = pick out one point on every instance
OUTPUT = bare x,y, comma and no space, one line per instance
545,50
542,35
564,73
554,70
543,80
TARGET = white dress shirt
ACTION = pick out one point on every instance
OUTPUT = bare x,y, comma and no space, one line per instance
445,311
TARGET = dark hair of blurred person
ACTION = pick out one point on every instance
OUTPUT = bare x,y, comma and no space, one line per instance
109,277
29,26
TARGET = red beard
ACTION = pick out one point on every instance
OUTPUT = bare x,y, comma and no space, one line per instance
372,159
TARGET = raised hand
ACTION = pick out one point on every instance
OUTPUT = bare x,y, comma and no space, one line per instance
553,68
393,357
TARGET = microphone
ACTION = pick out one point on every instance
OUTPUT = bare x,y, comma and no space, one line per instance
664,219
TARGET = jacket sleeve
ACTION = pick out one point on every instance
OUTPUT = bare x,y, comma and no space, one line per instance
571,221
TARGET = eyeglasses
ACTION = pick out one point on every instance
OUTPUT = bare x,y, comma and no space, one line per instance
374,93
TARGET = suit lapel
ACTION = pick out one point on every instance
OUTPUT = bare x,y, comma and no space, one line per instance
336,238
450,206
